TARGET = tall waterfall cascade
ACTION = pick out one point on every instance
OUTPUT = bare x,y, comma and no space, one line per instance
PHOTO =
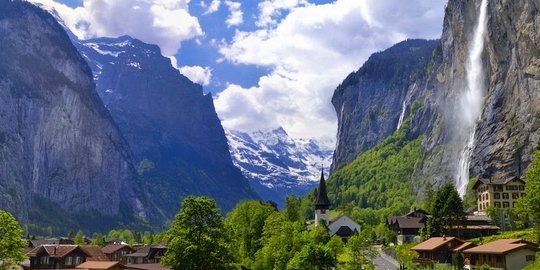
471,99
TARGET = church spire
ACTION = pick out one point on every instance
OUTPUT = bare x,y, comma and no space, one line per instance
322,201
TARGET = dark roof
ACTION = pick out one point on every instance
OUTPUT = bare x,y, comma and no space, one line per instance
415,212
109,249
496,181
322,201
95,253
145,250
344,231
51,241
57,251
410,222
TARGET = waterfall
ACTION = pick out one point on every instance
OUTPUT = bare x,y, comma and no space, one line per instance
471,99
402,115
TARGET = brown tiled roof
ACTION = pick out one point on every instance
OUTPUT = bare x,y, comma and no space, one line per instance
464,246
108,249
435,242
98,265
58,251
95,253
502,246
147,266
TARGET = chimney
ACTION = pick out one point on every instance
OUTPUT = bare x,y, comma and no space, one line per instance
444,237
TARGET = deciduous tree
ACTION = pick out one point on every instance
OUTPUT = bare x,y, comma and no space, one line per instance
196,239
11,245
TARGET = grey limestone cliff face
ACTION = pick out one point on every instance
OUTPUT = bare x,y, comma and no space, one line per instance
371,102
508,129
171,126
58,143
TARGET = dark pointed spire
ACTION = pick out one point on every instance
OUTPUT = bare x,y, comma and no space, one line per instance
321,200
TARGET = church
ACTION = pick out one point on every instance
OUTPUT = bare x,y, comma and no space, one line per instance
342,226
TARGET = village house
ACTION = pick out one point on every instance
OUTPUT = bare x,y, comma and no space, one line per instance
342,226
146,255
500,193
439,250
504,254
100,265
116,252
408,226
56,257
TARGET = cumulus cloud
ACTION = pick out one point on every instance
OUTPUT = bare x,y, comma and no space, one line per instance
271,9
310,52
236,16
163,22
197,74
213,7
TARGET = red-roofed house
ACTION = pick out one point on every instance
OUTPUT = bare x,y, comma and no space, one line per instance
439,250
508,254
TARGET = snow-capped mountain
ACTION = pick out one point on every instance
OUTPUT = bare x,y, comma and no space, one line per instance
278,165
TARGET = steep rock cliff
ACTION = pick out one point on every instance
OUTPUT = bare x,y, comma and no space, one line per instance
372,102
507,130
58,143
171,126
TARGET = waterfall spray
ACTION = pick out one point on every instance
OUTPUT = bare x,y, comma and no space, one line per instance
402,115
471,99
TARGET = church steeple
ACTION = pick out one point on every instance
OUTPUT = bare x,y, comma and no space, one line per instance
322,203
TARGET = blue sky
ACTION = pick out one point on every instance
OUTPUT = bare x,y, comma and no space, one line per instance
268,63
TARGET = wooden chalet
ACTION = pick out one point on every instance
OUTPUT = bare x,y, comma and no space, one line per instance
146,255
116,252
439,250
507,254
57,256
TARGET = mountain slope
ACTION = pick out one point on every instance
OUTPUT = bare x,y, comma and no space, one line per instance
170,125
276,164
59,147
372,102
507,130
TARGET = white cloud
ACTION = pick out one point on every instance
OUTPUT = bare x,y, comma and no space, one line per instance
163,22
236,16
311,51
270,9
197,74
213,7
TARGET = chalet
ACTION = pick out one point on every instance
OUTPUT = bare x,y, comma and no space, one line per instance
408,226
341,226
439,250
509,254
146,255
476,226
57,256
116,252
500,193
100,265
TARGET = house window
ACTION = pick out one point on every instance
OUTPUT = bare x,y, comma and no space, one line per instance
506,196
506,204
497,195
515,195
44,260
498,204
487,196
529,258
521,187
69,260
514,205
